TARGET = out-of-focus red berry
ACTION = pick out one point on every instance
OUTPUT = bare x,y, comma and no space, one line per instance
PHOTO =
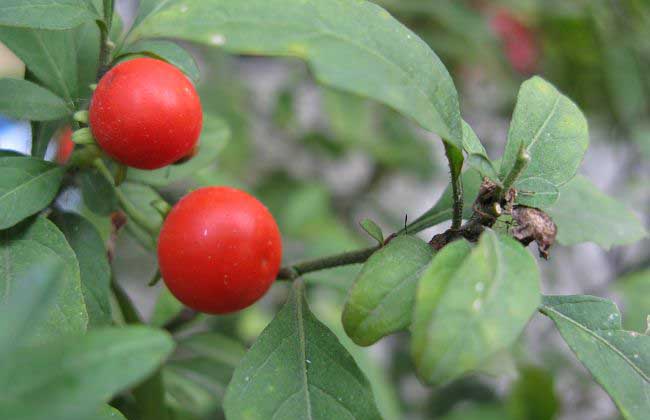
65,145
519,42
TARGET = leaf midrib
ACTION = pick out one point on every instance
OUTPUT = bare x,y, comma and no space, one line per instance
34,179
575,323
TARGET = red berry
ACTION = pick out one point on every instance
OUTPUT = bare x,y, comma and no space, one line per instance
65,145
219,250
146,114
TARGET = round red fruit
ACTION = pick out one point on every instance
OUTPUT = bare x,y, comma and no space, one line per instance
219,250
145,113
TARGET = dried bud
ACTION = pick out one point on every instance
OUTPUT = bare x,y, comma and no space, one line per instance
534,225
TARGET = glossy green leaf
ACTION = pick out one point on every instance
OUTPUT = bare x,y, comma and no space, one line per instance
26,243
106,412
298,369
373,230
49,56
552,130
45,14
471,303
197,377
93,265
34,293
70,377
443,209
380,59
635,290
21,99
27,185
381,299
214,136
167,51
619,360
536,192
98,193
584,214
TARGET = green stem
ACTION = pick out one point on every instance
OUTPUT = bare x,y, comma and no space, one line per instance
523,158
133,213
104,31
455,158
150,394
294,271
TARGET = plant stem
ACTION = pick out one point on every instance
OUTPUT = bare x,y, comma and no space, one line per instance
520,164
104,31
150,394
294,271
455,158
133,213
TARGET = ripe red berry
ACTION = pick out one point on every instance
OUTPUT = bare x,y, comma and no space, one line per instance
146,114
219,250
65,145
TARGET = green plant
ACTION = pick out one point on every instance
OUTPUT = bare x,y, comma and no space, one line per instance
465,296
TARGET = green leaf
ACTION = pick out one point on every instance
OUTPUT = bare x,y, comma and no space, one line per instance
536,192
26,243
380,59
197,378
383,387
584,214
552,130
167,51
25,100
381,299
36,287
471,143
477,157
93,265
635,290
532,396
619,360
141,196
166,308
298,369
106,412
213,138
98,193
45,14
471,303
70,377
373,230
27,185
87,37
443,209
49,56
